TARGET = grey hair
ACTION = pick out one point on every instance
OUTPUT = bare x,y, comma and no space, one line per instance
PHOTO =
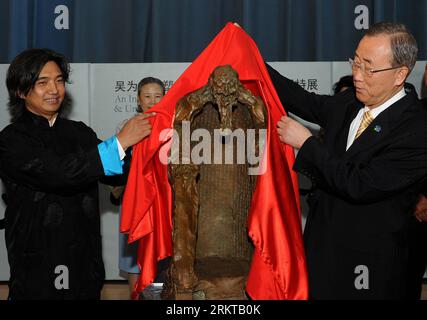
403,44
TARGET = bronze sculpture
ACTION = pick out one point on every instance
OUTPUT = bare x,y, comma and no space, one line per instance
211,249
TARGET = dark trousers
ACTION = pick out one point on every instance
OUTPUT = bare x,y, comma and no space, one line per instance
417,258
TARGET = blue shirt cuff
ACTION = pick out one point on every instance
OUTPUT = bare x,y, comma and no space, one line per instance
110,157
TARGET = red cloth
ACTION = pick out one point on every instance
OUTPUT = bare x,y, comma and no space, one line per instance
278,269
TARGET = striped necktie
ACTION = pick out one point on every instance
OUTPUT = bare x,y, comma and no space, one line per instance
366,121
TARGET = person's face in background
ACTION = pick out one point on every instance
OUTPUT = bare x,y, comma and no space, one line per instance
344,88
150,94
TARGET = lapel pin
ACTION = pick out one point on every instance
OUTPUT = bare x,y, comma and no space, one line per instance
377,128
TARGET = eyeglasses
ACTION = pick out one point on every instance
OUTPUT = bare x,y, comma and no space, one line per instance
367,72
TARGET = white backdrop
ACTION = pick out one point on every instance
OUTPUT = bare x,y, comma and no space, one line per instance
104,95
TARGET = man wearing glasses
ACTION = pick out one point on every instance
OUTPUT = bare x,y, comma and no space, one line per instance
367,172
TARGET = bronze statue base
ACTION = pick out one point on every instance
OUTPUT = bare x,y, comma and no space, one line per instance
218,279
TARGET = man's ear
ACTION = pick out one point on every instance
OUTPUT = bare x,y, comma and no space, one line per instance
402,74
21,95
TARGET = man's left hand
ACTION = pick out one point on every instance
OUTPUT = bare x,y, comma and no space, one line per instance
292,132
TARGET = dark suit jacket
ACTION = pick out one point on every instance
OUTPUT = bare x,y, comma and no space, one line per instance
356,235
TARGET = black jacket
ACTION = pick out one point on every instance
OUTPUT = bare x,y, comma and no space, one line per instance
52,218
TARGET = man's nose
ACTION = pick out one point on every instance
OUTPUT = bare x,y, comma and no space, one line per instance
357,74
153,101
52,87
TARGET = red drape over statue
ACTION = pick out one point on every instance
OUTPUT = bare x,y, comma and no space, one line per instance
278,269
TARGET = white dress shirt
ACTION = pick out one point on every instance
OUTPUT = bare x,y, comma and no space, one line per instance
374,113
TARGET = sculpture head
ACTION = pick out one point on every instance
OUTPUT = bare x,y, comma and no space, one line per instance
224,83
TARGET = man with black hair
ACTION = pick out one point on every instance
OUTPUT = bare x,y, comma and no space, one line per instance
50,167
343,84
